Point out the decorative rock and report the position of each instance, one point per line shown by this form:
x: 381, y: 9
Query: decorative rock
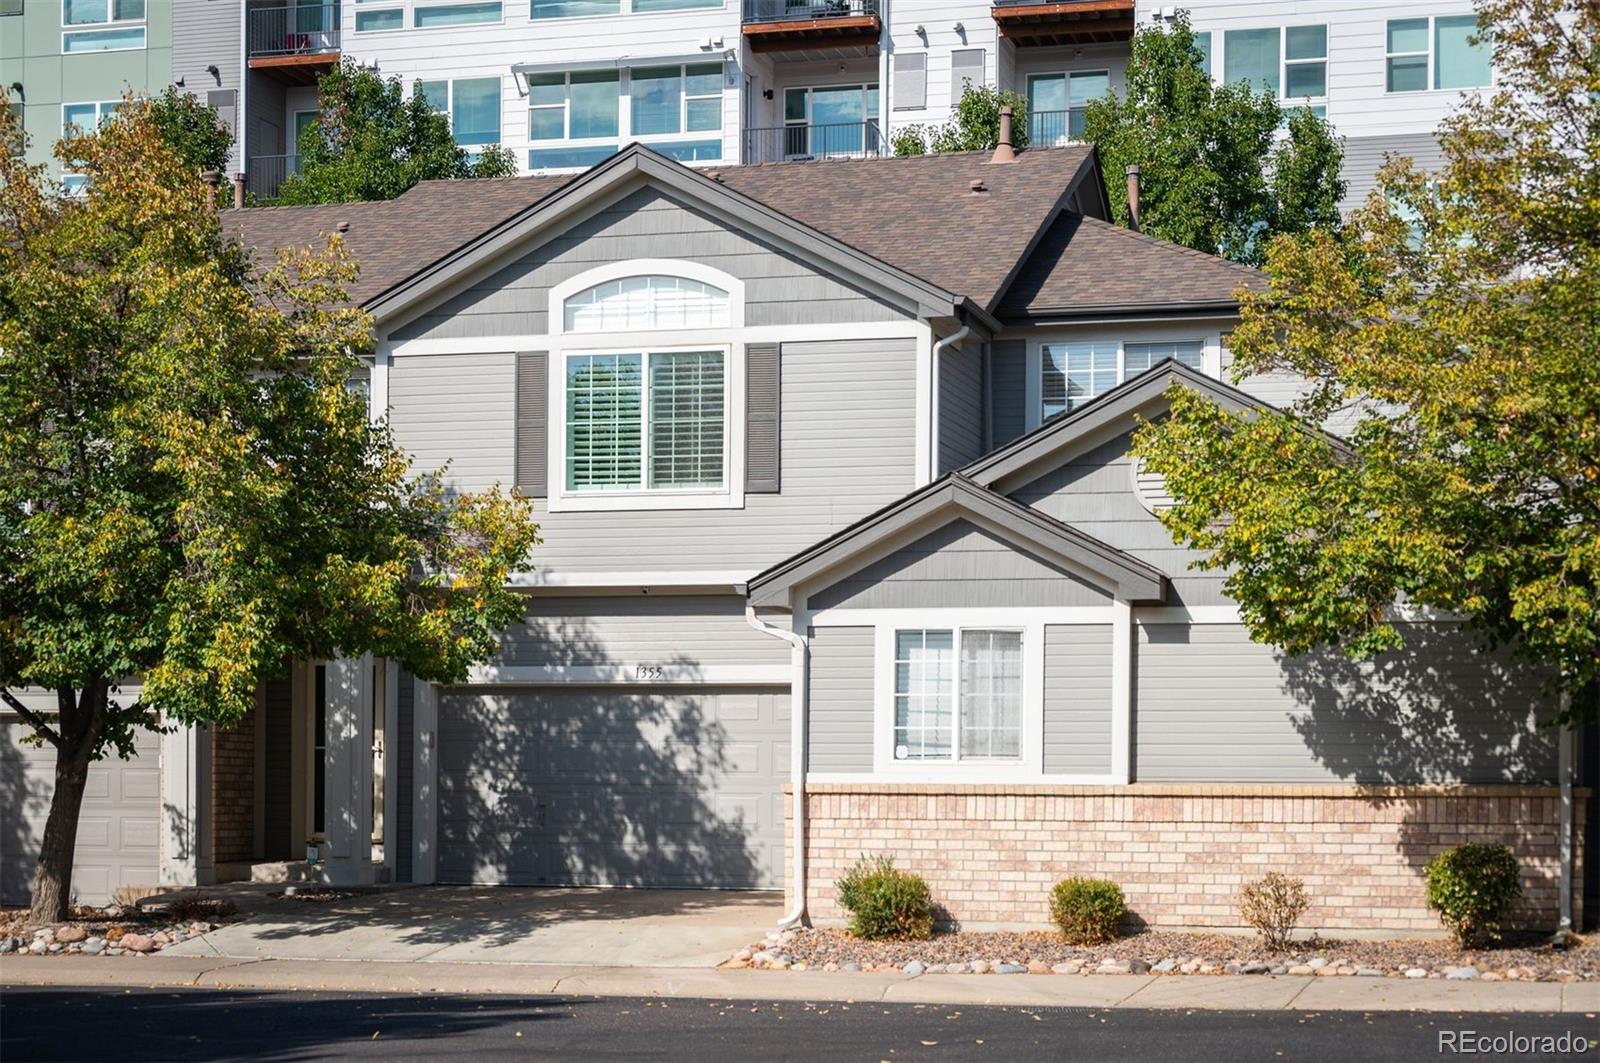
x: 56, y: 947
x: 1114, y: 966
x: 38, y: 946
x: 743, y: 954
x: 1038, y: 967
x: 1138, y: 967
x: 1255, y: 967
x: 1189, y: 967
x: 978, y: 967
x: 1489, y: 976
x: 1302, y: 969
x: 161, y: 937
x: 1070, y: 967
x: 1279, y: 968
x: 1416, y: 972
x: 94, y: 946
x: 1317, y: 963
x: 1010, y: 968
x: 762, y: 958
x: 1165, y: 965
x: 830, y: 966
x: 137, y: 943
x: 1460, y: 974
x: 915, y: 967
x: 114, y: 952
x: 8, y: 945
x: 1325, y: 972
x: 68, y: 934
x: 1232, y: 967
x: 849, y: 965
x: 1368, y: 972
x: 1207, y: 967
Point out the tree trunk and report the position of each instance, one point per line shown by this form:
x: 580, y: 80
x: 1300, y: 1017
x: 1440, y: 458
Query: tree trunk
x: 52, y: 877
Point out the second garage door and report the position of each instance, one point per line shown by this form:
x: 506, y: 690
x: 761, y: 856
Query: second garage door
x: 608, y: 786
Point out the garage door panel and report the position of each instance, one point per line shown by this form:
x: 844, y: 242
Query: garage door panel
x: 611, y: 786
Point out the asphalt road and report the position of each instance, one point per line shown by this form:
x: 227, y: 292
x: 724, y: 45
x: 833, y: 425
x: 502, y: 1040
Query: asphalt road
x: 131, y: 1025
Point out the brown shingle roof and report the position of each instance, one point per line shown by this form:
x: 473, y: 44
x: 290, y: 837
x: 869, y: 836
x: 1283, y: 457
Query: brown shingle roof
x: 1084, y: 264
x: 919, y: 214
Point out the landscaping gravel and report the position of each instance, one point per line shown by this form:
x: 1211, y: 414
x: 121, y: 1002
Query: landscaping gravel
x: 1526, y: 958
x: 115, y: 930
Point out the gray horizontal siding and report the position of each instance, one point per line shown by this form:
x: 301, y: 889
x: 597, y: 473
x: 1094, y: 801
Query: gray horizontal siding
x: 840, y: 719
x: 1365, y: 156
x: 958, y: 565
x: 1094, y: 493
x: 1077, y: 699
x: 686, y: 630
x: 779, y: 288
x: 1212, y: 706
x: 460, y: 409
x: 1008, y: 390
x: 960, y: 407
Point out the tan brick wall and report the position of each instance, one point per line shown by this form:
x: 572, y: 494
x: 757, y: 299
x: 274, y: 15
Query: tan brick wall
x: 1181, y: 853
x: 233, y: 792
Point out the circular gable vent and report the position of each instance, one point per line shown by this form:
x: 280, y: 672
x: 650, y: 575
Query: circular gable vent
x: 1151, y: 487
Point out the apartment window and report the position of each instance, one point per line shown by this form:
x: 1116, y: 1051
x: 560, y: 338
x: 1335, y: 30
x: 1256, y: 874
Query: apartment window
x: 1058, y: 104
x: 574, y: 8
x: 836, y: 120
x: 1453, y: 61
x: 668, y: 100
x: 1253, y: 56
x: 1073, y: 373
x: 438, y: 13
x: 957, y: 695
x: 390, y: 17
x: 1202, y: 44
x: 1305, y: 61
x: 577, y: 109
x: 652, y: 420
x: 102, y: 25
x: 473, y: 105
x: 78, y: 119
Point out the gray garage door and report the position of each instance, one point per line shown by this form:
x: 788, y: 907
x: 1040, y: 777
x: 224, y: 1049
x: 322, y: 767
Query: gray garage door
x: 601, y: 786
x: 118, y: 832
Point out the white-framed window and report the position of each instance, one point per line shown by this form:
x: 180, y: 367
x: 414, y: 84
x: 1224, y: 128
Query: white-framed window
x: 958, y: 694
x: 1059, y: 101
x: 644, y: 303
x: 541, y: 9
x: 1291, y: 62
x: 1072, y: 372
x: 1437, y: 52
x: 646, y: 420
x: 102, y: 25
x: 577, y: 118
x: 830, y: 121
x: 378, y: 16
x: 473, y: 106
x: 78, y: 119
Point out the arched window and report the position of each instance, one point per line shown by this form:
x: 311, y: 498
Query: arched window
x: 637, y: 304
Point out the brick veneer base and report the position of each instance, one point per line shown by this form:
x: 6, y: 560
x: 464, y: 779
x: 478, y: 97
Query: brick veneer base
x: 1181, y: 853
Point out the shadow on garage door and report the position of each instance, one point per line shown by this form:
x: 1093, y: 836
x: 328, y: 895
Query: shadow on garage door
x: 613, y: 786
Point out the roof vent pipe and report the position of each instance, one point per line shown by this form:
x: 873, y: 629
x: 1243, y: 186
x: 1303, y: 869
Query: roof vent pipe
x: 1003, y: 151
x: 212, y: 180
x: 1133, y: 198
x: 238, y: 191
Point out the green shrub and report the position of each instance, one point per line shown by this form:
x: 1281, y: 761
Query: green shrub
x: 1273, y: 904
x: 1471, y: 886
x: 1088, y: 910
x: 885, y: 902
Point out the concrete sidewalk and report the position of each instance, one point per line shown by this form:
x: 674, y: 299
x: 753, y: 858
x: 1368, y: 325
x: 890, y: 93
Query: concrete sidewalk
x: 1223, y: 993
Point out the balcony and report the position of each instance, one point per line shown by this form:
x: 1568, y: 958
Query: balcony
x: 1051, y: 129
x: 804, y: 142
x: 293, y: 44
x: 265, y: 174
x: 1034, y: 23
x: 823, y: 29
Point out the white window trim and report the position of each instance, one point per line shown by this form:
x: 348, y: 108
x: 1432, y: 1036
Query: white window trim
x: 869, y: 117
x: 103, y: 109
x: 449, y: 109
x: 567, y: 140
x: 1433, y: 59
x: 111, y: 22
x: 408, y: 17
x: 625, y: 133
x: 730, y: 340
x: 1209, y: 336
x: 1219, y: 57
x: 1032, y: 622
x: 1065, y: 74
x: 625, y: 8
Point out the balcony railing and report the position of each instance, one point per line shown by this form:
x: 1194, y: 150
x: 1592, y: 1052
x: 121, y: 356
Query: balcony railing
x: 807, y: 10
x: 1048, y: 129
x: 797, y: 143
x: 265, y: 174
x: 302, y: 29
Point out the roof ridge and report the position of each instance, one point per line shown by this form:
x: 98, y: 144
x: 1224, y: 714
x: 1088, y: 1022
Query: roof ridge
x: 1158, y: 242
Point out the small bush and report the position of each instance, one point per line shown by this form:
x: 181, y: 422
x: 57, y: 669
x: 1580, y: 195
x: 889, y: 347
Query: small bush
x: 1471, y: 886
x: 201, y: 910
x: 1088, y: 910
x: 1273, y: 905
x: 885, y: 902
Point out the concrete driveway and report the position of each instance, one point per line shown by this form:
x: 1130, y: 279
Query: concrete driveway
x: 487, y: 924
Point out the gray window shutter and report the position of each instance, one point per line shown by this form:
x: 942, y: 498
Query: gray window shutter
x: 763, y: 405
x: 966, y: 64
x: 910, y: 81
x: 533, y: 422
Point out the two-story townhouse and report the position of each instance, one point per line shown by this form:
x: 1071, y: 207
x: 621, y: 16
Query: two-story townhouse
x: 843, y: 551
x: 564, y: 82
x: 67, y: 63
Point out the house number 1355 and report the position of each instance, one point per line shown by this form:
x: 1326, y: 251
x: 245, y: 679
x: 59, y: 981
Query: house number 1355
x: 649, y: 671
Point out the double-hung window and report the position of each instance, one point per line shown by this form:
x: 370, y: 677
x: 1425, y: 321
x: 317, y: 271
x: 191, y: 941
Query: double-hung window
x: 78, y: 119
x: 1291, y: 62
x: 957, y: 694
x: 1059, y: 103
x: 654, y: 419
x: 1443, y: 52
x: 1072, y: 373
x: 378, y: 15
x: 832, y: 121
x: 102, y: 25
x: 572, y: 118
x: 670, y: 103
x: 473, y: 105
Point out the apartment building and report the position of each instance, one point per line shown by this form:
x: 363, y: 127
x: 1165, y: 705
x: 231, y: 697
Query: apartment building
x: 66, y: 63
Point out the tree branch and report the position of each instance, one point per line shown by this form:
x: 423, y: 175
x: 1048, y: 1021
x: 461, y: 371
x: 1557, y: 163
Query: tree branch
x: 31, y: 718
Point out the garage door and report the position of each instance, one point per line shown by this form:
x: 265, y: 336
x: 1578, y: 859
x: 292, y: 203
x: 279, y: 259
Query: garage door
x: 600, y: 786
x: 118, y: 831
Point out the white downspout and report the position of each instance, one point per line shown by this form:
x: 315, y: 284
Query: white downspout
x: 800, y: 651
x: 933, y: 387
